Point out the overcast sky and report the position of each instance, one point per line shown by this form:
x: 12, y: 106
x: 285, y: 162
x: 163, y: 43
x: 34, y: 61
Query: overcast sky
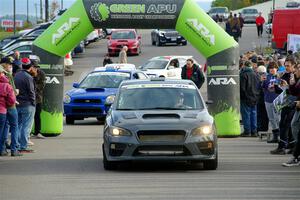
x: 7, y: 6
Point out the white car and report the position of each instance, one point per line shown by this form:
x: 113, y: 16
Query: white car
x: 166, y: 66
x: 92, y: 37
x: 124, y: 66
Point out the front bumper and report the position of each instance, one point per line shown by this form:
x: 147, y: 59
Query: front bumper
x: 129, y: 148
x: 84, y: 111
x: 166, y: 40
x: 116, y: 50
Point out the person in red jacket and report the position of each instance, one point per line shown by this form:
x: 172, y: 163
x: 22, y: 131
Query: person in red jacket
x: 259, y: 24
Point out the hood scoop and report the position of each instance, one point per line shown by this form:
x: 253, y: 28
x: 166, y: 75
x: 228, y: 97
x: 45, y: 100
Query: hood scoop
x: 161, y: 116
x: 190, y: 115
x: 95, y: 89
x: 129, y: 116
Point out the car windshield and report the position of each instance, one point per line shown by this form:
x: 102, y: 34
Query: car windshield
x: 250, y: 11
x: 159, y: 97
x: 104, y: 79
x: 218, y: 10
x: 123, y: 35
x: 155, y: 64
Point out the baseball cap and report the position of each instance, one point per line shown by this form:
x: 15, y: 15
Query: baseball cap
x: 6, y: 60
x: 26, y: 63
x: 35, y: 60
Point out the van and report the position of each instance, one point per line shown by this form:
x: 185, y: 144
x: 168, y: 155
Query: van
x: 285, y: 21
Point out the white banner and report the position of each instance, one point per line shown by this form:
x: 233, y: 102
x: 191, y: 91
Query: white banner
x: 293, y: 43
x: 8, y: 23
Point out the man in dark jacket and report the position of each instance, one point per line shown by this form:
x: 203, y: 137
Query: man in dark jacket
x: 249, y: 98
x: 40, y: 82
x: 193, y: 72
x: 26, y: 99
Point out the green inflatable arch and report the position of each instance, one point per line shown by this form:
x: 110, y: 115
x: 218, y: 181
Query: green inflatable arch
x: 220, y: 50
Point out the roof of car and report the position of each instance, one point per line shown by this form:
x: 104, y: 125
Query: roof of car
x: 170, y: 57
x: 117, y: 66
x: 157, y: 81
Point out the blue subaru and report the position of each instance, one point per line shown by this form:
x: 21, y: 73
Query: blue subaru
x: 90, y: 97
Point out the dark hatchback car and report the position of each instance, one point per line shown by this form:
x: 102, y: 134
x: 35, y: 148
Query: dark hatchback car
x: 160, y: 37
x: 159, y: 120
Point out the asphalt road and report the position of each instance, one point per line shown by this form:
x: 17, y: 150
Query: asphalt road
x: 70, y: 166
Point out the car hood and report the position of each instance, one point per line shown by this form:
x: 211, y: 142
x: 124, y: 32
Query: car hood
x: 155, y: 71
x: 160, y: 119
x: 91, y: 93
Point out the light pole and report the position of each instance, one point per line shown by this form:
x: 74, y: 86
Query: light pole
x: 46, y: 10
x: 62, y: 4
x: 41, y: 10
x: 273, y: 4
x: 14, y: 16
x: 27, y: 12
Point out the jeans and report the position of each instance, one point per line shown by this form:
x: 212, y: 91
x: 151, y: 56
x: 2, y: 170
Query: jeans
x: 274, y: 118
x: 295, y: 125
x: 2, y: 136
x: 287, y: 114
x: 25, y: 118
x: 259, y: 30
x: 12, y: 126
x: 249, y: 117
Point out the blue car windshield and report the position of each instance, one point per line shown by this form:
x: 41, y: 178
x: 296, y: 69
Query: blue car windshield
x: 165, y: 97
x: 104, y: 79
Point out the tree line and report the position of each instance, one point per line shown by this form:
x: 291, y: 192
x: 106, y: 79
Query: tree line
x: 235, y: 4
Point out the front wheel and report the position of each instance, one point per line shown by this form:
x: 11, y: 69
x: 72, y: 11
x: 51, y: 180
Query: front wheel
x: 211, y: 164
x: 184, y: 43
x: 108, y: 165
x: 69, y: 120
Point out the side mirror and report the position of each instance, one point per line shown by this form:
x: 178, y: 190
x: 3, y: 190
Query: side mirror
x: 75, y: 85
x: 209, y: 102
x: 171, y: 67
x: 139, y: 37
x: 109, y: 100
x: 108, y: 37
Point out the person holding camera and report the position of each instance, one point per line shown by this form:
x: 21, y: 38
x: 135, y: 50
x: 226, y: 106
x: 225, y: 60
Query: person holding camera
x: 287, y: 112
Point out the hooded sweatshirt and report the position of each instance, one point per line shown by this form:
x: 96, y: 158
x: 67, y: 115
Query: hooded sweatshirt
x: 7, y: 95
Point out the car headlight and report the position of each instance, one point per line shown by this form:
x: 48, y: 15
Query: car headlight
x: 202, y: 130
x: 67, y: 99
x: 110, y: 99
x: 116, y: 131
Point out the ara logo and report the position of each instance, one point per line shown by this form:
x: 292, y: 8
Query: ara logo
x: 222, y: 81
x: 203, y: 30
x: 52, y: 80
x: 64, y: 30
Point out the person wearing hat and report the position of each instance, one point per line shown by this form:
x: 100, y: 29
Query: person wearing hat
x: 40, y: 82
x: 12, y: 114
x: 249, y: 98
x: 27, y: 100
x: 7, y: 99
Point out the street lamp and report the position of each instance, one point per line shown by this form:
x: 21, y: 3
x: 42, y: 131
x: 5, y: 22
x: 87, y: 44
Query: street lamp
x: 273, y: 4
x: 14, y: 16
x: 62, y: 4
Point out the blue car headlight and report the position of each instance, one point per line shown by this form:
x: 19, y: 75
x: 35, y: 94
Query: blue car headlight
x: 117, y: 131
x: 67, y: 99
x: 204, y: 130
x: 110, y: 100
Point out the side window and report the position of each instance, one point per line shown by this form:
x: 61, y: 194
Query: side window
x: 182, y: 62
x: 142, y: 75
x: 174, y: 63
x: 135, y: 76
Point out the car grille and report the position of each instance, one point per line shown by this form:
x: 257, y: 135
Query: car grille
x: 161, y: 136
x: 87, y: 110
x: 162, y: 150
x: 171, y: 34
x: 121, y: 46
x: 87, y: 101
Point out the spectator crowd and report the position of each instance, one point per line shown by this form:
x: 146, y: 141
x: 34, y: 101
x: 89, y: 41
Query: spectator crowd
x: 21, y: 93
x: 270, y: 95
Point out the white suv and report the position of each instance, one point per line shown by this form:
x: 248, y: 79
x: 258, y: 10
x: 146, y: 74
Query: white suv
x: 165, y: 66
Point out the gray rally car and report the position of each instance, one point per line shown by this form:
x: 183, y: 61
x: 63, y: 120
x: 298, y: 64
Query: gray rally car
x: 159, y: 120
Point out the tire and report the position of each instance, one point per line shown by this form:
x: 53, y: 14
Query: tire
x: 211, y: 164
x: 157, y: 42
x: 108, y: 165
x: 184, y: 43
x: 69, y: 120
